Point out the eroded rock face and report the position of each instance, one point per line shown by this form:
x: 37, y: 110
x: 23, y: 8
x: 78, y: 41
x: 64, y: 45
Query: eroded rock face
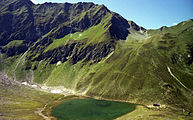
x: 11, y: 51
x: 119, y: 27
x: 23, y: 20
x: 74, y: 52
x: 16, y: 21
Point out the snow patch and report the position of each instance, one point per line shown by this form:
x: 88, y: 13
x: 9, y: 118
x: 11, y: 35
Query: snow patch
x: 34, y: 86
x: 80, y: 35
x: 58, y: 63
x: 68, y: 90
x: 44, y: 88
x: 56, y: 91
x: 24, y: 83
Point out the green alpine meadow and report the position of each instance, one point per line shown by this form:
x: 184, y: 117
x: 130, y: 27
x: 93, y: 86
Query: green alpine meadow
x: 82, y: 61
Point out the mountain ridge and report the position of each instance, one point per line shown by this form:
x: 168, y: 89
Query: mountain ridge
x: 35, y: 25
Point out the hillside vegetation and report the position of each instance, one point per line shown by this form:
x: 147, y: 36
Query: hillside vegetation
x: 96, y: 52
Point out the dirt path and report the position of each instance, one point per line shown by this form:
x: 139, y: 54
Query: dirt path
x: 169, y: 70
x: 40, y: 110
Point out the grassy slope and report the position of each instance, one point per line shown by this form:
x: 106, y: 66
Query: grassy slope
x: 18, y: 102
x: 143, y: 113
x: 176, y: 42
x: 95, y: 34
x: 136, y: 71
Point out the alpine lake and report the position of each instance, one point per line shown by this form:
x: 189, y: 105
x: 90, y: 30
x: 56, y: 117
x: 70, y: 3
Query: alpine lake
x: 90, y: 109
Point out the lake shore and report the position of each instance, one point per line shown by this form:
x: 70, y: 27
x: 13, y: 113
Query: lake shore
x: 140, y: 111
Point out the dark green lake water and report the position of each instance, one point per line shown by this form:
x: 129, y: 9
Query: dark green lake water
x: 91, y: 109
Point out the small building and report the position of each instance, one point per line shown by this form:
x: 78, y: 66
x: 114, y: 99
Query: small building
x: 156, y: 105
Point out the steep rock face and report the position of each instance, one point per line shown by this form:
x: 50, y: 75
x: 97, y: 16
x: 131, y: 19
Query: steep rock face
x: 119, y: 27
x: 60, y: 18
x: 22, y: 20
x: 14, y: 50
x: 74, y: 53
x: 16, y: 19
x: 74, y: 18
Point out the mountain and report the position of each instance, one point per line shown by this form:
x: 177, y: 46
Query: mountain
x: 93, y: 51
x: 26, y: 22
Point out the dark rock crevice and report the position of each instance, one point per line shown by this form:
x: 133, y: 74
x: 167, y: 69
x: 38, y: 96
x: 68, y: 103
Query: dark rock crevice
x: 75, y: 52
